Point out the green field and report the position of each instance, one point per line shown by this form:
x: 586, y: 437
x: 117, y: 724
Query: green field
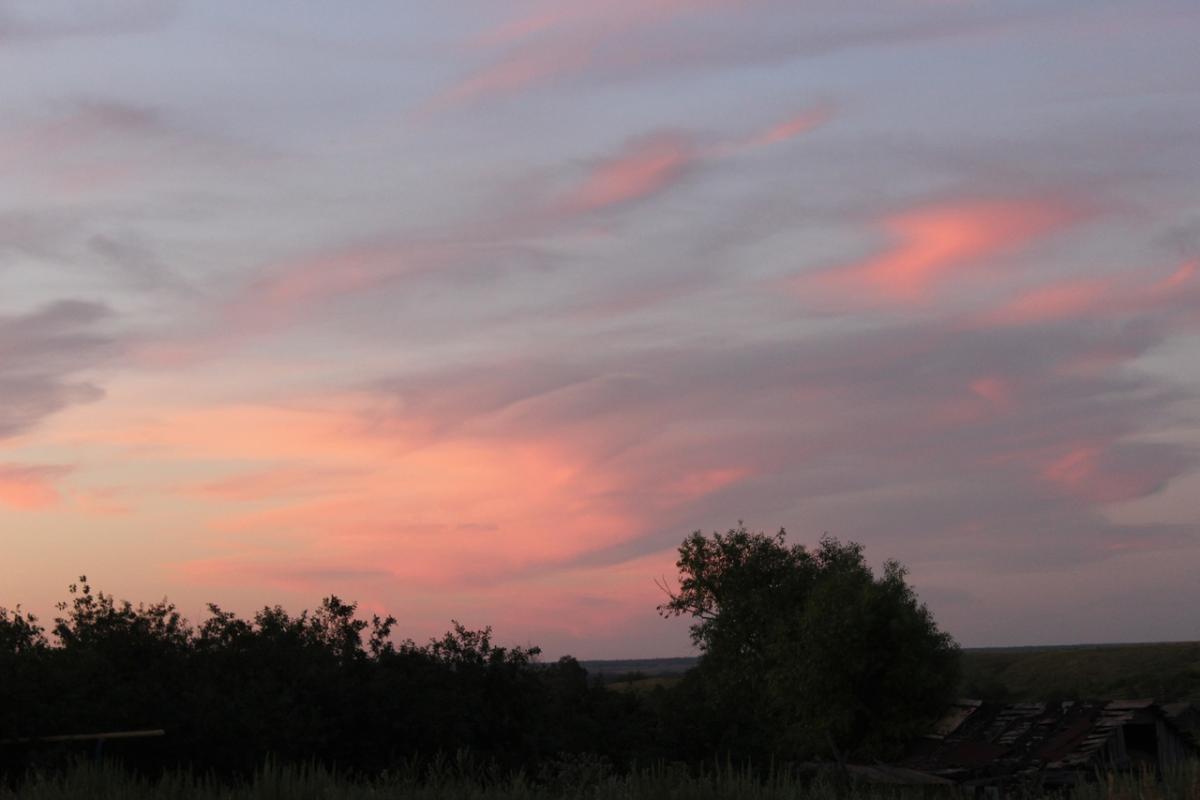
x: 1167, y: 672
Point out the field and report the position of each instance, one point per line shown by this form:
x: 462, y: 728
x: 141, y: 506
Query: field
x: 615, y: 670
x: 1165, y: 671
x: 106, y: 783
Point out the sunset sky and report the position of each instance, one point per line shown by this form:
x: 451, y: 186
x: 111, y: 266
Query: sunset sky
x: 474, y: 309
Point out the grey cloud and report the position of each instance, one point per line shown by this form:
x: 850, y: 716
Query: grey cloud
x: 861, y: 433
x: 136, y: 264
x: 714, y: 40
x: 43, y: 355
x: 37, y: 22
x: 27, y: 233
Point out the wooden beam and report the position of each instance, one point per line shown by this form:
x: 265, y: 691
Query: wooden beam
x: 87, y: 737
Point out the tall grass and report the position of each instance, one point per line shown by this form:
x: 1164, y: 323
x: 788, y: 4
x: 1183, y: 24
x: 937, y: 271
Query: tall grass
x: 456, y: 780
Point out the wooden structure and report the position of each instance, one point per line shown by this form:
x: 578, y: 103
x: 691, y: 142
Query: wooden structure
x: 1023, y: 746
x: 98, y: 738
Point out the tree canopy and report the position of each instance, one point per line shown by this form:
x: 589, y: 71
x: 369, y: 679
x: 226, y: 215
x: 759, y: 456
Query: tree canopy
x: 808, y: 653
x: 320, y: 684
x: 805, y: 654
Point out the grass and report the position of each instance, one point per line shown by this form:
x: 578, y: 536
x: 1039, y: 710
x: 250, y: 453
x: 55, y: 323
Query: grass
x: 1167, y: 672
x: 453, y: 781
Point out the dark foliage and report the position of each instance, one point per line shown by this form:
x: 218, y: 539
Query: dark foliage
x: 322, y: 685
x: 806, y: 654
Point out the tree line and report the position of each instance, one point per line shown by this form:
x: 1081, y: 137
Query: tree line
x: 806, y: 654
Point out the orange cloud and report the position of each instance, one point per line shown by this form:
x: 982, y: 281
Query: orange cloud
x: 29, y: 488
x: 931, y: 246
x: 271, y: 484
x: 338, y: 486
x: 102, y: 503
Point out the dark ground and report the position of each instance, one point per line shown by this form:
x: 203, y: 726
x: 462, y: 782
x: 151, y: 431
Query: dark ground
x: 1166, y: 671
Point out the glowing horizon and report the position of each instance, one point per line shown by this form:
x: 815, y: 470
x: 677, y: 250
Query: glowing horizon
x: 476, y: 311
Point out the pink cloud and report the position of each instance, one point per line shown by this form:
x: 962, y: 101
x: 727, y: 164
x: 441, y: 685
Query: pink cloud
x: 1090, y: 471
x: 789, y: 128
x: 996, y: 390
x: 1117, y: 295
x: 612, y: 15
x: 985, y: 396
x: 558, y: 40
x: 1178, y: 280
x: 649, y: 165
x: 514, y: 30
x: 102, y: 503
x: 934, y: 245
x: 431, y: 509
x: 96, y: 147
x: 694, y: 485
x: 1055, y: 302
x: 266, y: 569
x: 519, y: 70
x: 644, y: 167
x: 273, y: 484
x: 287, y: 290
x: 29, y: 488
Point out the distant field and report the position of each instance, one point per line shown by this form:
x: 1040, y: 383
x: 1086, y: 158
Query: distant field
x: 610, y: 671
x: 1168, y: 672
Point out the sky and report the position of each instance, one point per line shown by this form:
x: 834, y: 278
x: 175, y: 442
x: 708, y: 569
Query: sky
x: 473, y: 310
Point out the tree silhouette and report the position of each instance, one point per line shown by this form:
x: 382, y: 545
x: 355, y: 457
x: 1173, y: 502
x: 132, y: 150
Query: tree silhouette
x: 808, y: 653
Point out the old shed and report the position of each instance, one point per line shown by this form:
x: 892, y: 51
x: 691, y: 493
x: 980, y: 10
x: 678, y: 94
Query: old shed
x: 1050, y: 744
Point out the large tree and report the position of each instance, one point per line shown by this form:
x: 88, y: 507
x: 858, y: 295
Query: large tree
x: 808, y: 653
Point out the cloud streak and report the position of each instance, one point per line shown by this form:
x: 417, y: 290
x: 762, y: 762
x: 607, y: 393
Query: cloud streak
x: 29, y: 488
x: 42, y: 357
x: 939, y: 245
x: 573, y: 42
